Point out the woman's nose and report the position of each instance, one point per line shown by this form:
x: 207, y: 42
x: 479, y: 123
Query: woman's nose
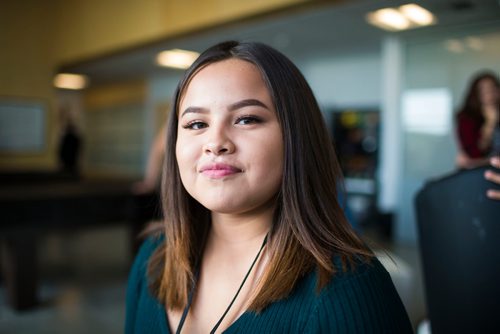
x: 218, y: 142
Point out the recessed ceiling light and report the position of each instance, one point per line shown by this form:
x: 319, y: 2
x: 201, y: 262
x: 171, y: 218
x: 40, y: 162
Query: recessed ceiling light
x: 176, y: 58
x: 71, y: 81
x: 417, y: 14
x: 389, y: 19
x: 405, y: 17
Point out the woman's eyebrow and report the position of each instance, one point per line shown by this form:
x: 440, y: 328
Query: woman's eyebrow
x: 194, y: 110
x: 247, y: 103
x: 232, y: 107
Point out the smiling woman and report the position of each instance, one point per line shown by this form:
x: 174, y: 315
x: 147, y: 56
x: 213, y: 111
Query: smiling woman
x: 229, y: 145
x: 254, y: 239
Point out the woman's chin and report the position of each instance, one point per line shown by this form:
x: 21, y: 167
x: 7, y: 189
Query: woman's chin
x: 224, y: 208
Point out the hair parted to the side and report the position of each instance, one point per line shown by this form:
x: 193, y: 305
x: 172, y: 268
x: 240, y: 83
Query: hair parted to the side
x: 309, y: 226
x: 472, y: 103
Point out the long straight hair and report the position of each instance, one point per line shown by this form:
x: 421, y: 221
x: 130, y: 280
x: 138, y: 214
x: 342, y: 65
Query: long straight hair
x: 472, y: 103
x: 309, y: 226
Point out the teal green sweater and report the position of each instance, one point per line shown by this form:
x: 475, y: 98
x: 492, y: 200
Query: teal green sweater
x: 359, y: 301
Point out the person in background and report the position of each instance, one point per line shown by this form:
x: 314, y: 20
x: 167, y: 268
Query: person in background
x: 147, y: 190
x: 254, y: 239
x: 151, y: 181
x: 70, y: 144
x: 478, y: 122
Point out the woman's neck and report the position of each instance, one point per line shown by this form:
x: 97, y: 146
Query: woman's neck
x: 239, y: 233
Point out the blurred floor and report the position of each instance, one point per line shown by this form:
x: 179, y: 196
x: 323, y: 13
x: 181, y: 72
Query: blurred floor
x: 71, y: 307
x: 82, y: 285
x: 83, y: 281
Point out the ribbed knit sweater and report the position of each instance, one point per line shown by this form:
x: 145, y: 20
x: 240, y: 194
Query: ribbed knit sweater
x: 362, y: 300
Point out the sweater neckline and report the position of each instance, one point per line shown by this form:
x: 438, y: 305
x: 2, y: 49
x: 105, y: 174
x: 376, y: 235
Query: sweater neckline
x: 165, y: 327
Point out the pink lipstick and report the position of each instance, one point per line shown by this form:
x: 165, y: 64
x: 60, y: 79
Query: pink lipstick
x: 219, y: 170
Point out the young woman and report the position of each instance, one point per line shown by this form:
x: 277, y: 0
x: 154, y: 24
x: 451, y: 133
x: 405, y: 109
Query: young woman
x: 254, y: 239
x: 478, y: 121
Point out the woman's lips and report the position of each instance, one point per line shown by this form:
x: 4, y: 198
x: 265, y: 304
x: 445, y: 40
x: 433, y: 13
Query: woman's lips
x: 218, y: 170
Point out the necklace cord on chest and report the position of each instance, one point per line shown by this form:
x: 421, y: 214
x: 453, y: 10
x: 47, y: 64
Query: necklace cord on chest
x: 191, y: 294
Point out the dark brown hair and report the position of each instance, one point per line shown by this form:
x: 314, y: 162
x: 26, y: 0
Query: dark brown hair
x: 309, y: 226
x: 472, y: 103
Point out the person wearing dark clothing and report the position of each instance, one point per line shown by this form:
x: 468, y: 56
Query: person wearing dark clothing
x: 69, y: 150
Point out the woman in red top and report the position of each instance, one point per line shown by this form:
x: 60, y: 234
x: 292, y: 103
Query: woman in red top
x: 478, y: 121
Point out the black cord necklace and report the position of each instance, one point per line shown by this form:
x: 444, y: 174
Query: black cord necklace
x: 191, y: 293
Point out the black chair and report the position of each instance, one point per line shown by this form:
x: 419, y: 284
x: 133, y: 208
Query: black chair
x: 459, y: 236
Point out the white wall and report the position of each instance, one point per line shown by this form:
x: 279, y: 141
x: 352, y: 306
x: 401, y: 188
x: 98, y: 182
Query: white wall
x: 346, y: 81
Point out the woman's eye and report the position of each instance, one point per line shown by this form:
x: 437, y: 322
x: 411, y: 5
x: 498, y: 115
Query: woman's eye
x: 245, y: 120
x: 195, y: 125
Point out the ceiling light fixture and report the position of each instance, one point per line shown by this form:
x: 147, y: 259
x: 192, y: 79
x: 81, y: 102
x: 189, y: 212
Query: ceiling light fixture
x: 417, y: 14
x: 71, y: 81
x: 176, y: 58
x: 405, y: 17
x: 388, y: 19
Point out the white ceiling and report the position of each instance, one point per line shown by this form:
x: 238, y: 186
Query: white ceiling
x: 327, y: 29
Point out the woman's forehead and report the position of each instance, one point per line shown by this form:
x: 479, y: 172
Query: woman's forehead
x: 230, y: 78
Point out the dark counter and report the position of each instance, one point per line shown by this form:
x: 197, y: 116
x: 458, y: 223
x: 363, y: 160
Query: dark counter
x: 30, y: 209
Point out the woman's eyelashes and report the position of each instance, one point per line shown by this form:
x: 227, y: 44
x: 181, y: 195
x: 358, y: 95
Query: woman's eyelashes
x: 248, y: 119
x: 195, y: 125
x: 242, y: 120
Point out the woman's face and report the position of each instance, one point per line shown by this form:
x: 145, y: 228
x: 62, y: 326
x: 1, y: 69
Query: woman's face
x: 489, y: 93
x: 229, y: 145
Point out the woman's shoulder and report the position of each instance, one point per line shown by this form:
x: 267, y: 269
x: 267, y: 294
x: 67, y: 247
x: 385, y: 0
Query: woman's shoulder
x: 360, y: 298
x: 358, y: 268
x: 142, y: 308
x: 146, y: 250
x: 359, y: 273
x: 349, y: 278
x: 150, y: 244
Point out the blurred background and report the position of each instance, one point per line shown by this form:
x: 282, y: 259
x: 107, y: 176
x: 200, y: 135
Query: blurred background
x: 85, y: 89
